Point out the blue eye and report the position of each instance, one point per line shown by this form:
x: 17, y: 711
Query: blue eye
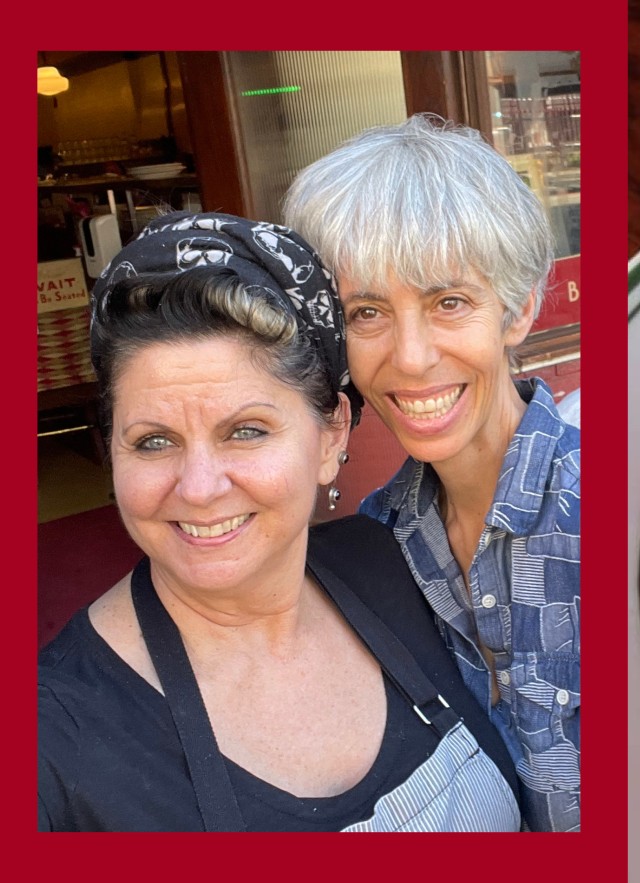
x: 154, y: 443
x: 247, y: 433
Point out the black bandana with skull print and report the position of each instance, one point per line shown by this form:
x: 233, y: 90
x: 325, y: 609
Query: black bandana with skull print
x: 268, y: 256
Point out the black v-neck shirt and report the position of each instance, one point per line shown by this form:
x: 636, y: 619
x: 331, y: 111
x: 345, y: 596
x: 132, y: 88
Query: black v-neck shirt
x: 110, y: 757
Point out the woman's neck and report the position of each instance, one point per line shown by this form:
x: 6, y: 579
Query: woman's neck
x: 269, y: 611
x: 469, y: 480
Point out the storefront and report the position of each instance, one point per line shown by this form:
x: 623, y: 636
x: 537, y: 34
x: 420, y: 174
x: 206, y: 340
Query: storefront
x: 228, y: 131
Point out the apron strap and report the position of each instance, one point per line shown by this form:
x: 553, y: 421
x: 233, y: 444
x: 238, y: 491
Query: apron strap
x: 395, y: 659
x: 214, y: 792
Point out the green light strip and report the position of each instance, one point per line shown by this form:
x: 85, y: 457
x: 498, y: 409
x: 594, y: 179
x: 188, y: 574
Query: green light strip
x: 273, y: 91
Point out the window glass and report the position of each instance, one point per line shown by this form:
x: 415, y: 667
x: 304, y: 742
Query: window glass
x: 293, y: 107
x: 535, y: 111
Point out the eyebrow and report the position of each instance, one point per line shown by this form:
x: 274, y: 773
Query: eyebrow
x: 161, y: 427
x: 427, y: 292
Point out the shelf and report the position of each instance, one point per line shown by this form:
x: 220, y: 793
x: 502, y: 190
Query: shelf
x: 130, y: 187
x: 102, y: 184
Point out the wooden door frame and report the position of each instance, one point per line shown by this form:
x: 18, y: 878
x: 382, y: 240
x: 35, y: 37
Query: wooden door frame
x: 450, y: 84
x: 216, y: 149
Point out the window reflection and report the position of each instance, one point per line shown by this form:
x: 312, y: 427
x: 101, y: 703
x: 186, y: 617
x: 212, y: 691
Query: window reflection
x: 535, y: 112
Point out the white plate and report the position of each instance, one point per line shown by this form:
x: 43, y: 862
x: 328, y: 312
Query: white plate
x: 158, y: 167
x: 156, y: 175
x: 163, y: 176
x: 141, y: 170
x: 163, y: 171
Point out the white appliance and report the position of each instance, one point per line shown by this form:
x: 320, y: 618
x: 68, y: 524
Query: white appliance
x: 100, y: 240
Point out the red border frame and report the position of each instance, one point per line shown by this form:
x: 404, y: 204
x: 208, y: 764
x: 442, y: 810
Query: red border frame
x: 604, y: 836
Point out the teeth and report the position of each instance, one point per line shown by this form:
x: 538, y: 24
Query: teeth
x: 430, y: 408
x: 214, y: 530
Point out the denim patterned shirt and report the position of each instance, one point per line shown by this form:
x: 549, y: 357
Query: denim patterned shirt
x: 524, y: 602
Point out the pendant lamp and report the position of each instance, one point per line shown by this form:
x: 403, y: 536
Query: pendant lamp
x: 51, y: 82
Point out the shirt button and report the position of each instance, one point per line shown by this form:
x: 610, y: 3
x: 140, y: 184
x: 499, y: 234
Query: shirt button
x: 562, y: 697
x: 488, y: 601
x: 504, y: 678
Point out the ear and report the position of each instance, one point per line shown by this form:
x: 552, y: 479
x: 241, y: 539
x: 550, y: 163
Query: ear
x: 520, y: 327
x: 335, y: 437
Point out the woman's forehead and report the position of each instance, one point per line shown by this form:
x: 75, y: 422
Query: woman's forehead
x: 429, y: 281
x: 209, y: 357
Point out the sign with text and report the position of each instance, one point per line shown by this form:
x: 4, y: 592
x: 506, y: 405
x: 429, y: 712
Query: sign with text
x: 561, y: 305
x: 61, y: 285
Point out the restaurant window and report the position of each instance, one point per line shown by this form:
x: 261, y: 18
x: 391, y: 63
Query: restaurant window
x: 534, y: 100
x: 291, y: 108
x: 534, y: 105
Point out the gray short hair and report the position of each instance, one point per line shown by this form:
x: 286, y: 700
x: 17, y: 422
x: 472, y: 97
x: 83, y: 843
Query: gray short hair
x: 424, y: 199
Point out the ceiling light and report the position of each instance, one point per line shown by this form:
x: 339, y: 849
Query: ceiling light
x: 51, y: 82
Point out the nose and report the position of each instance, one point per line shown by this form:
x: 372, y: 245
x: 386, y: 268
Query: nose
x: 415, y: 348
x: 203, y: 477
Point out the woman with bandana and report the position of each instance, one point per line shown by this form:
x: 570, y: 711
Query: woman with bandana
x: 251, y: 673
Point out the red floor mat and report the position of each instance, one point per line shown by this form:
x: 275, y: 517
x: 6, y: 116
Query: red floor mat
x: 79, y: 558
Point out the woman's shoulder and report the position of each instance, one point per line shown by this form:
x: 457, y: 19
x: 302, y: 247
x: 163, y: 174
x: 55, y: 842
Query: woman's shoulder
x: 113, y: 617
x: 78, y: 635
x: 99, y: 644
x: 64, y: 647
x: 366, y: 556
x: 103, y: 636
x: 366, y: 540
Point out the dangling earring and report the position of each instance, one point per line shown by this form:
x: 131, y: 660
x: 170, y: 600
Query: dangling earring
x: 334, y: 493
x: 334, y: 496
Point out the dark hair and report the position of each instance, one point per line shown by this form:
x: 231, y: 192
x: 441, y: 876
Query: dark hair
x: 203, y: 303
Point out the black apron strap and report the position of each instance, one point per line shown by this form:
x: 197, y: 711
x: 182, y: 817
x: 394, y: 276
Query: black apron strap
x: 396, y: 660
x: 214, y: 792
x: 216, y: 799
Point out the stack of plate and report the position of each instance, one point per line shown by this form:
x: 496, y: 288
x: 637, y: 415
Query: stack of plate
x: 159, y: 170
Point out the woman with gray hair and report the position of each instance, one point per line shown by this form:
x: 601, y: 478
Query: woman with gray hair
x: 250, y: 674
x: 442, y: 256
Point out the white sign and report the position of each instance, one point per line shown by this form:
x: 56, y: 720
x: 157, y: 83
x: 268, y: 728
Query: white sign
x: 61, y: 285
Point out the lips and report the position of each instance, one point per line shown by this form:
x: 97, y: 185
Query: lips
x: 429, y: 408
x: 213, y: 530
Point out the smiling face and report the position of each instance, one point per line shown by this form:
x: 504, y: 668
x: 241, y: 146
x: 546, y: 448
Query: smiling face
x: 434, y: 365
x: 216, y: 466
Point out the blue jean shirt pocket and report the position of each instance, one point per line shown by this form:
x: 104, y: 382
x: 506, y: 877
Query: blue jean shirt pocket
x: 545, y: 699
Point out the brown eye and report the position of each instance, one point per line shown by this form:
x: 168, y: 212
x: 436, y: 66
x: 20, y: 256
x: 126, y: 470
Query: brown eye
x: 449, y: 304
x: 365, y: 313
